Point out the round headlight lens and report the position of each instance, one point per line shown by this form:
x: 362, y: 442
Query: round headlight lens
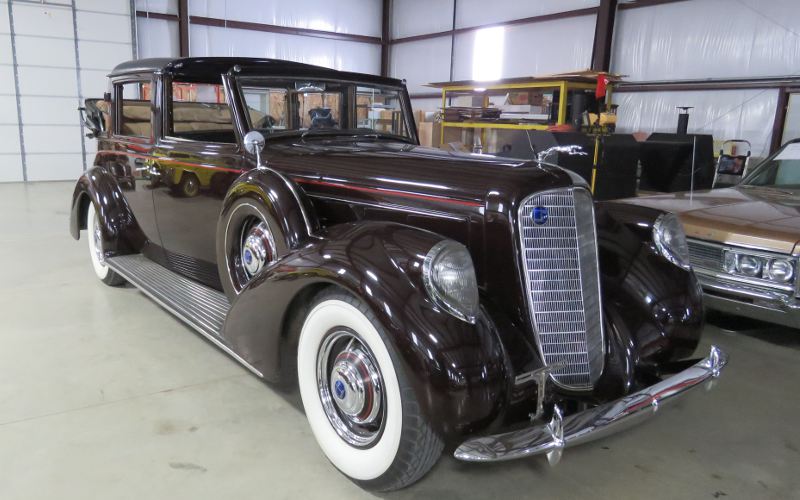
x: 449, y: 278
x: 670, y: 240
x: 749, y: 265
x: 780, y: 270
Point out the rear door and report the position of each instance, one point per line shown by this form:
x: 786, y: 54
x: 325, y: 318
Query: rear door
x: 129, y: 156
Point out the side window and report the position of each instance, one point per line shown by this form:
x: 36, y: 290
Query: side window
x: 380, y: 110
x: 200, y: 112
x: 133, y: 110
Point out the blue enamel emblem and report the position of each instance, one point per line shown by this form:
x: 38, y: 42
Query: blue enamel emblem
x: 539, y: 215
x: 338, y: 387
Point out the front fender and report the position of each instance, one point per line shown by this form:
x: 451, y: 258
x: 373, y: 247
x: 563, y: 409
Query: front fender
x: 458, y: 369
x: 656, y: 307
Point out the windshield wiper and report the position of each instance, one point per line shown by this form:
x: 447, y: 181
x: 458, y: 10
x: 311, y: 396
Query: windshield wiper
x: 319, y: 131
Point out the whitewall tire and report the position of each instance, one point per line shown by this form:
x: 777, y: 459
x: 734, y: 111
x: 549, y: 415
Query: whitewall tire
x: 358, y: 402
x: 94, y: 235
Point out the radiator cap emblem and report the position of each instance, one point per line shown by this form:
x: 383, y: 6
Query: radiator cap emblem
x: 539, y: 215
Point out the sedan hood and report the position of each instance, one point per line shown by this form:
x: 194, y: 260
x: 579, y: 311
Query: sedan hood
x: 414, y: 170
x: 764, y: 218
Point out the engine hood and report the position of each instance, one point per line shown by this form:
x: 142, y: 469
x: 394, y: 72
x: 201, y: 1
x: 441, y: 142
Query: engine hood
x: 764, y: 218
x: 419, y: 175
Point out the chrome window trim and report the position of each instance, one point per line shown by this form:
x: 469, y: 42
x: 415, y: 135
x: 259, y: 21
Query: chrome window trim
x: 529, y: 301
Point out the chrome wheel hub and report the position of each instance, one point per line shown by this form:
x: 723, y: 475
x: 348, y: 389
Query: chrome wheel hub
x: 258, y: 248
x: 350, y: 388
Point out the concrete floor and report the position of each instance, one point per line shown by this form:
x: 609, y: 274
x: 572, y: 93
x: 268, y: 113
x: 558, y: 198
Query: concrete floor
x: 105, y: 395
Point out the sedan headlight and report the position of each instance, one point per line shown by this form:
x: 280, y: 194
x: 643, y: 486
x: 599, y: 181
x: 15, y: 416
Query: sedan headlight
x: 780, y: 270
x: 774, y: 269
x: 449, y: 278
x: 670, y: 240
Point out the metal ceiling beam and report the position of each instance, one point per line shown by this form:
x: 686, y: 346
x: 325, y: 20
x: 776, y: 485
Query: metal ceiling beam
x: 526, y: 20
x: 269, y: 28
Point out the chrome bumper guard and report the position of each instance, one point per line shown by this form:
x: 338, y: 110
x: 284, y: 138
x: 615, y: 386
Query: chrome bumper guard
x: 595, y: 423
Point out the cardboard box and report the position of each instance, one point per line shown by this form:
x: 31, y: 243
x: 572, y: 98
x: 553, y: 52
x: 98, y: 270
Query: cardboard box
x: 430, y: 134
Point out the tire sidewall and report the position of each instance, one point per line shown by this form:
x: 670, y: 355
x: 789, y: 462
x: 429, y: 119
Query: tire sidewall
x: 92, y: 221
x: 360, y: 464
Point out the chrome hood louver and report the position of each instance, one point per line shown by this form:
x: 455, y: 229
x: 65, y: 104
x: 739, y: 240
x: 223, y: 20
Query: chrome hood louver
x: 559, y: 258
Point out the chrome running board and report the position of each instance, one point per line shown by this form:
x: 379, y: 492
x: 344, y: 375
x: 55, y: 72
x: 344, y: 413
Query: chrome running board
x: 199, y: 306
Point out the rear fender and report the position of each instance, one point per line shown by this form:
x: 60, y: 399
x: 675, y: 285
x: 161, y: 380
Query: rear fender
x: 119, y: 227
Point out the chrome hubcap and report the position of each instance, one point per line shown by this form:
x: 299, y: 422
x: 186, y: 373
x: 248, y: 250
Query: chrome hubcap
x: 258, y: 248
x: 350, y: 388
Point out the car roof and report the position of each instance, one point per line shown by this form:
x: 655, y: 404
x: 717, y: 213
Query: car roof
x: 199, y: 69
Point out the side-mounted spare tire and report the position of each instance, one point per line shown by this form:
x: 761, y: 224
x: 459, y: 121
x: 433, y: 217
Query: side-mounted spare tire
x: 264, y: 217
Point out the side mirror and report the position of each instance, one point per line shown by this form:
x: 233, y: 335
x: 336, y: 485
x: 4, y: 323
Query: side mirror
x: 92, y: 122
x: 254, y: 143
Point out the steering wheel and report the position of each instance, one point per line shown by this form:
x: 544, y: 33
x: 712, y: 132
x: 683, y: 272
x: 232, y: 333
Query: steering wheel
x: 264, y: 123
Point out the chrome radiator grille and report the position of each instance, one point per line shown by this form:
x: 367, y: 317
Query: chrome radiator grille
x: 561, y: 275
x: 705, y: 256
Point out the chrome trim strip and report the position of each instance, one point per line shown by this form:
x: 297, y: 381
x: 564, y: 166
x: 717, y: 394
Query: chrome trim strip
x: 118, y: 264
x: 594, y: 423
x: 388, y: 206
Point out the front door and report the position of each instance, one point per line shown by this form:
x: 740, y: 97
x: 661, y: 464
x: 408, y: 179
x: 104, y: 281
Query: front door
x: 197, y: 160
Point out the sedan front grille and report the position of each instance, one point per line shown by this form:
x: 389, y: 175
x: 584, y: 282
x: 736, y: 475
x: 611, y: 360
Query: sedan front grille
x: 561, y: 276
x: 705, y: 256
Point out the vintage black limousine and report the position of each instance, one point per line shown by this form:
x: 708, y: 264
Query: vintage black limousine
x: 422, y: 300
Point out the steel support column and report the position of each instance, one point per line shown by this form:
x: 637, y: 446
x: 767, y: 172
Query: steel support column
x: 603, y: 34
x: 183, y: 27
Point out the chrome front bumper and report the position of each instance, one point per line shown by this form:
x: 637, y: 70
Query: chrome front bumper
x: 595, y: 423
x: 731, y: 297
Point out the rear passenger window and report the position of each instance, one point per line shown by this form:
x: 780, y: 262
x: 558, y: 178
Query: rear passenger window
x: 200, y: 112
x: 134, y: 113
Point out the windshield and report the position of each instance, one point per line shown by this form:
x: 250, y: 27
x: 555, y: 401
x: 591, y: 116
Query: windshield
x: 781, y: 171
x: 303, y: 107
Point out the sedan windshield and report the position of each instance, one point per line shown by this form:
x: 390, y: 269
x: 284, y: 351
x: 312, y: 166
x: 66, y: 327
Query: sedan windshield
x: 781, y: 171
x: 324, y: 108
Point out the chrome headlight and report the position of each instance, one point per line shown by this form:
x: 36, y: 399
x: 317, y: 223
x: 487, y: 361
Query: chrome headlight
x: 774, y: 269
x: 449, y: 278
x: 780, y: 270
x: 670, y: 240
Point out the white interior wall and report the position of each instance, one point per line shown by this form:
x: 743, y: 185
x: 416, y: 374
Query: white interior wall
x: 726, y: 114
x: 357, y: 17
x: 63, y: 49
x: 337, y: 54
x: 159, y: 38
x: 706, y: 39
x: 527, y: 49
